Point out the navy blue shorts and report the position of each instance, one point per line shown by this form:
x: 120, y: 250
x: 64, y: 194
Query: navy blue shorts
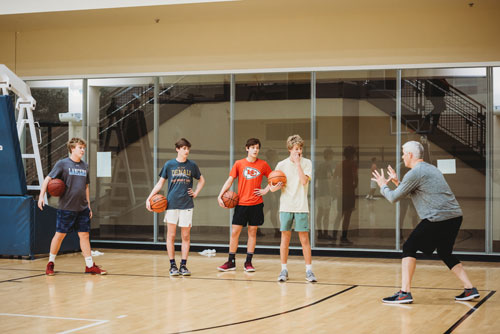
x: 68, y: 221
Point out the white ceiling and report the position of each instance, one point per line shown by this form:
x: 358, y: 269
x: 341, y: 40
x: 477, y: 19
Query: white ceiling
x: 37, y: 6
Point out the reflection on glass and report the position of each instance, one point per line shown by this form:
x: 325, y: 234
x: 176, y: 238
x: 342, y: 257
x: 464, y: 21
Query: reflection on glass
x: 444, y: 109
x: 346, y: 177
x: 355, y: 120
x: 272, y: 107
x: 197, y: 108
x: 121, y: 119
x: 325, y: 193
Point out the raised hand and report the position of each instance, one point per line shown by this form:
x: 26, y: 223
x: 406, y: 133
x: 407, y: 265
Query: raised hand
x: 295, y: 157
x: 380, y: 178
x: 392, y: 175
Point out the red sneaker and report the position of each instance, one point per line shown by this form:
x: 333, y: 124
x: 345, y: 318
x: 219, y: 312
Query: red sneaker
x: 95, y: 270
x: 50, y: 269
x: 227, y: 266
x: 248, y: 267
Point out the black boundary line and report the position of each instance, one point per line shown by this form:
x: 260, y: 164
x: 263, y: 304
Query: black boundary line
x: 16, y: 279
x: 466, y: 315
x: 268, y: 316
x: 246, y: 280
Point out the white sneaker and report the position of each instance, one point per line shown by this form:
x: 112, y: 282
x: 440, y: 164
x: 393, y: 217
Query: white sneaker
x: 207, y: 252
x: 310, y: 276
x: 283, y: 277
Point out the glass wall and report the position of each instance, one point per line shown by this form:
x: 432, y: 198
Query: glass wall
x: 54, y: 98
x: 445, y: 110
x: 496, y: 161
x: 350, y: 128
x: 356, y: 133
x: 272, y: 107
x: 121, y: 122
x: 197, y: 108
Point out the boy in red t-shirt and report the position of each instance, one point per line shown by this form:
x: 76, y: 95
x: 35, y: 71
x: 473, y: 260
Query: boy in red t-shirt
x: 250, y: 208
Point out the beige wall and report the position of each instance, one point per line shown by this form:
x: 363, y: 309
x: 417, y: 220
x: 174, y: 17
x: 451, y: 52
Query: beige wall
x: 7, y: 50
x: 251, y: 34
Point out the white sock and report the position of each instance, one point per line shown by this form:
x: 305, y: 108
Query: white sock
x: 52, y: 257
x: 89, y: 262
x: 283, y: 266
x: 309, y: 267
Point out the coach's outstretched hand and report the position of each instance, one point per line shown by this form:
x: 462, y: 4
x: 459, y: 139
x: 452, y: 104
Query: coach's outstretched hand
x: 392, y: 175
x: 380, y: 178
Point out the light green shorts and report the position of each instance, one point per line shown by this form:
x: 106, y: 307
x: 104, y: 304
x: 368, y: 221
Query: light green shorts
x: 301, y: 221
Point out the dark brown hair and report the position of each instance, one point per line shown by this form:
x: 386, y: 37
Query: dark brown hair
x: 252, y: 142
x: 182, y: 142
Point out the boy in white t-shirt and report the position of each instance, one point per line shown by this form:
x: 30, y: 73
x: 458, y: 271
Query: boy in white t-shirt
x: 294, y: 206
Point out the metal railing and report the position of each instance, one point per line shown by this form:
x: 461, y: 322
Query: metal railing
x: 463, y: 119
x: 54, y: 149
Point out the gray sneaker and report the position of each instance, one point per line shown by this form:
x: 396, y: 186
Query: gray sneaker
x: 174, y: 271
x: 310, y: 276
x: 283, y: 277
x: 184, y: 271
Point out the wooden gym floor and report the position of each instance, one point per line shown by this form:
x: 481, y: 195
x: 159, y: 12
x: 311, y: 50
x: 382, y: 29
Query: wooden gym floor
x: 138, y: 296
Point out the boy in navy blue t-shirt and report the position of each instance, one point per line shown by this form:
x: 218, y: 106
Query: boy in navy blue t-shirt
x: 180, y: 173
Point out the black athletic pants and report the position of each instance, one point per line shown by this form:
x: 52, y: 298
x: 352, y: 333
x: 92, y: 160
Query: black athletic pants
x: 429, y: 236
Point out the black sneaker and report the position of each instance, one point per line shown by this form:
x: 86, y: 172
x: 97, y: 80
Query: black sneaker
x: 174, y: 271
x: 468, y: 294
x: 184, y: 271
x: 399, y: 297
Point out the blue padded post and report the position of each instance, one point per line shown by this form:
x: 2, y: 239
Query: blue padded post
x: 12, y: 175
x: 16, y: 225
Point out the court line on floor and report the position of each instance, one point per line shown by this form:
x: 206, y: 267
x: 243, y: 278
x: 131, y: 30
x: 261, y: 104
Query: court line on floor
x: 16, y: 279
x: 268, y: 316
x: 96, y: 321
x: 247, y: 280
x: 472, y: 310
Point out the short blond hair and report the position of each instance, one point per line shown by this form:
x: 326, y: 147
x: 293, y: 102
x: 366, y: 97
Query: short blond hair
x: 294, y: 140
x: 75, y: 141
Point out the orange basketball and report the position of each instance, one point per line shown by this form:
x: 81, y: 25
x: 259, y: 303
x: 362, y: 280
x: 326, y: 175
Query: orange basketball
x: 230, y: 199
x: 275, y: 177
x: 158, y: 203
x: 56, y: 187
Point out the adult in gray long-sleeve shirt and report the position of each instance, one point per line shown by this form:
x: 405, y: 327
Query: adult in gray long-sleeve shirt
x: 441, y: 219
x: 427, y: 188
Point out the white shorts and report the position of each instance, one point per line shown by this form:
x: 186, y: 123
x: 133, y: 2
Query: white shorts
x: 184, y: 217
x: 373, y: 184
